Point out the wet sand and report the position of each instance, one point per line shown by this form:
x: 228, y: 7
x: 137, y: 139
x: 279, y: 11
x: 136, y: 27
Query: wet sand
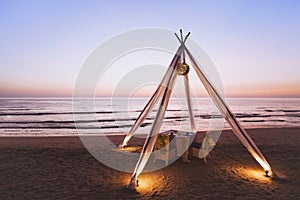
x: 61, y: 168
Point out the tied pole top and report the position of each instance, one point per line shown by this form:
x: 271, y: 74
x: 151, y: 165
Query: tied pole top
x: 182, y: 39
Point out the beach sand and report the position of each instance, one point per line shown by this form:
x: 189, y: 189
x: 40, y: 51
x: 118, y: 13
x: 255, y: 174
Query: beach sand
x: 61, y: 168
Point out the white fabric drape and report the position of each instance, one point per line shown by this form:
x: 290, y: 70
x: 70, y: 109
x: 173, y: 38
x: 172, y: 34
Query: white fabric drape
x: 229, y: 116
x: 189, y: 102
x: 152, y: 136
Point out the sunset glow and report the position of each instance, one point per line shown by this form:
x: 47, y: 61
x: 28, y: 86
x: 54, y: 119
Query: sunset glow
x: 254, y: 46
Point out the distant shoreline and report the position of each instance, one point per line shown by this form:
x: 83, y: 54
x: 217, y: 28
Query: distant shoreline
x: 10, y: 141
x: 138, y: 134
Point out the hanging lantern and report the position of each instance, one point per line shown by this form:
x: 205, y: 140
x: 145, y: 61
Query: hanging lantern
x: 183, y: 69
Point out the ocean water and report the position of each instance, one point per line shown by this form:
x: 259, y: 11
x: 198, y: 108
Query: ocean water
x: 45, y: 117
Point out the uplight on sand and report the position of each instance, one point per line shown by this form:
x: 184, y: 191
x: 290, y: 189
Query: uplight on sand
x: 149, y: 182
x: 145, y: 183
x: 251, y: 173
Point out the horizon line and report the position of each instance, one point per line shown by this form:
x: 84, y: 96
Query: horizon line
x: 145, y: 97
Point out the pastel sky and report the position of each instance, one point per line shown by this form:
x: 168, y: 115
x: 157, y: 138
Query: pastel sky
x: 255, y: 45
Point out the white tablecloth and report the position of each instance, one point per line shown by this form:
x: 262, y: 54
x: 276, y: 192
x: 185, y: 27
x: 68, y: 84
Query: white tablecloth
x: 183, y: 141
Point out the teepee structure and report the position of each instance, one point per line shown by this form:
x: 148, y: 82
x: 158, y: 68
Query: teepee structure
x: 179, y: 67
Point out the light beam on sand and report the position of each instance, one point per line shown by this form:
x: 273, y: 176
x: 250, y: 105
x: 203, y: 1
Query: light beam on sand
x: 251, y: 173
x: 131, y: 149
x: 149, y: 182
x: 145, y: 183
x: 256, y: 174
